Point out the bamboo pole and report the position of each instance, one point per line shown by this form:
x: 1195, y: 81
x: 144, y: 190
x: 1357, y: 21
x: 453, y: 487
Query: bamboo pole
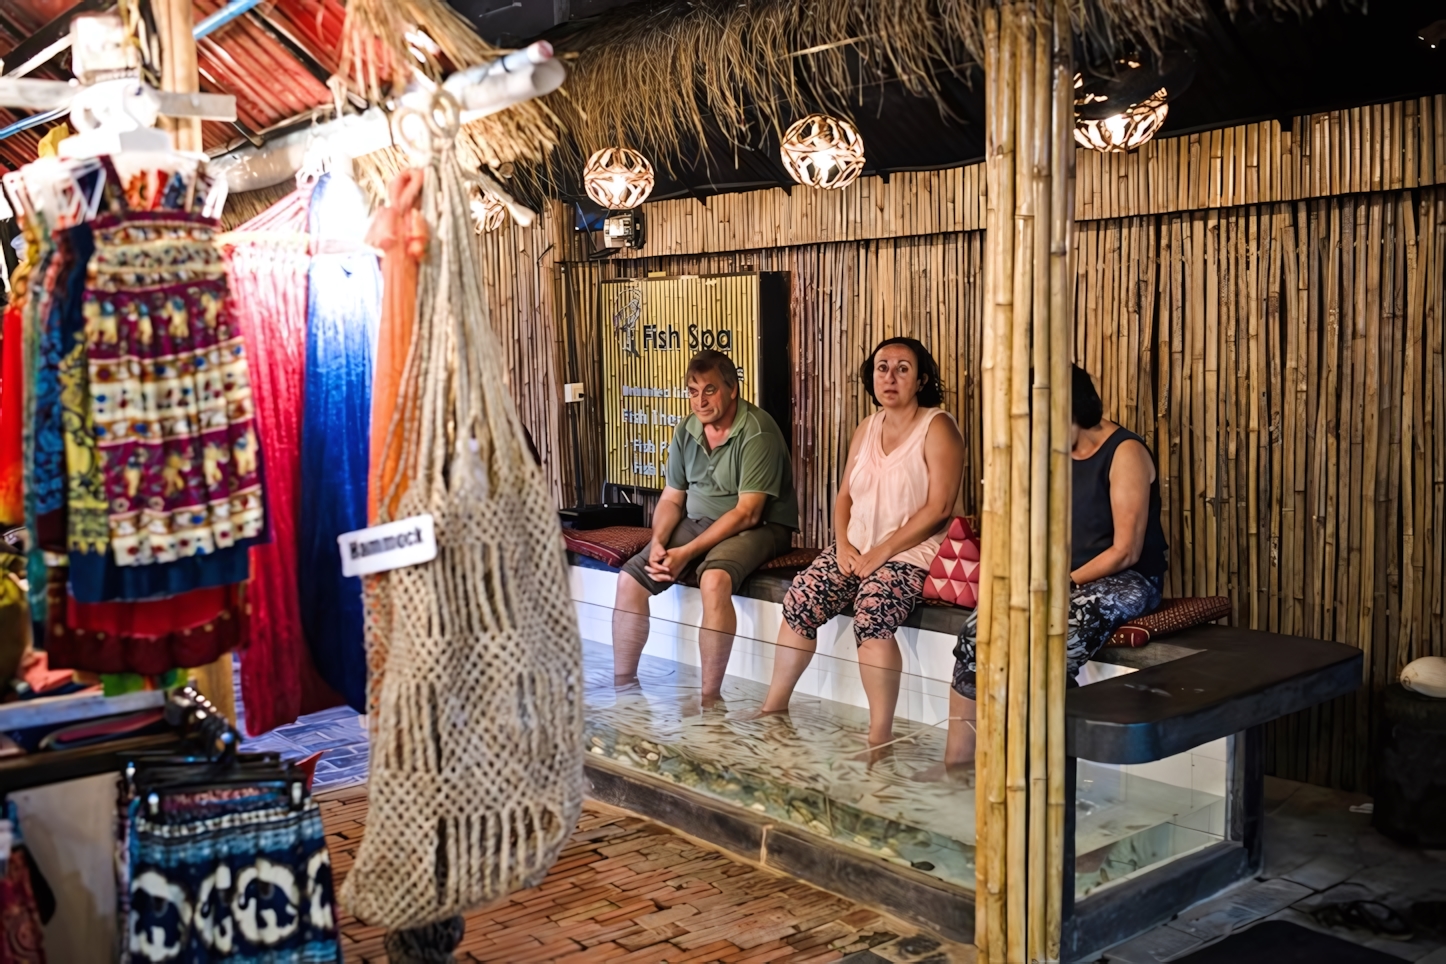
x: 1061, y: 320
x: 1038, y: 108
x: 989, y: 784
x: 1023, y: 606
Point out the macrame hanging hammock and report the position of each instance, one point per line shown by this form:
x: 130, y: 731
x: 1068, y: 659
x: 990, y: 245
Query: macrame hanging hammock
x: 476, y: 756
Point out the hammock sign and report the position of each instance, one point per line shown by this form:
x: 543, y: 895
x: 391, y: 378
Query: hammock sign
x: 392, y: 545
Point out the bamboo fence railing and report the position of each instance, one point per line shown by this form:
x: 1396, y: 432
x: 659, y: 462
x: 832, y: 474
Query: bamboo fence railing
x: 1229, y: 337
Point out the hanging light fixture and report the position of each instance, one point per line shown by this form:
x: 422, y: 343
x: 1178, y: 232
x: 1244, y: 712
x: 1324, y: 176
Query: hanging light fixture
x: 488, y: 212
x: 1120, y: 104
x: 823, y: 151
x: 618, y: 178
x: 1125, y: 130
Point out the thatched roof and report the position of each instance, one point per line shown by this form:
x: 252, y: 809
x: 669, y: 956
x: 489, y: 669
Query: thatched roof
x: 657, y: 75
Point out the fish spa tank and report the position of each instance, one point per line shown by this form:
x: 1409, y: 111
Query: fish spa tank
x: 889, y: 824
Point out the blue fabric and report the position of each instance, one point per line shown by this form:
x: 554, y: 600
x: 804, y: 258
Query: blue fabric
x: 47, y: 476
x: 230, y: 882
x: 95, y: 578
x: 344, y: 302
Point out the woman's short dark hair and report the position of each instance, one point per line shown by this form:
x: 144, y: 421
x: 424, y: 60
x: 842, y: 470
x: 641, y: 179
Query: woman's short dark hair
x: 931, y: 389
x: 1085, y: 405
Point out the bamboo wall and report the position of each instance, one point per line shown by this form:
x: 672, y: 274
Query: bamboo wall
x: 845, y: 298
x: 1285, y: 363
x: 1282, y: 355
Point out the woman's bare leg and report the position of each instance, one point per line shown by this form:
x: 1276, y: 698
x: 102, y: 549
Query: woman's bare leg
x: 960, y: 741
x: 791, y: 657
x: 880, y: 666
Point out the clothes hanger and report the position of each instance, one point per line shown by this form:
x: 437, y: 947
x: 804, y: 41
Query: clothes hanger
x: 113, y: 118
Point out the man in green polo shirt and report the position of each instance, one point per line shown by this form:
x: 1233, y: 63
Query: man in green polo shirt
x: 729, y: 507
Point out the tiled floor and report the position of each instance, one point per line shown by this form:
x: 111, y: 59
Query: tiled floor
x: 627, y: 890
x: 340, y: 733
x: 1317, y: 851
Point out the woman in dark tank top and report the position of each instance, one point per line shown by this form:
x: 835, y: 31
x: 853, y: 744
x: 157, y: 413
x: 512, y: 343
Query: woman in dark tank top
x: 1118, y: 557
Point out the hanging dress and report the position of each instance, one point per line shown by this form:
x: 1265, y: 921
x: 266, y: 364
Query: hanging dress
x: 169, y: 441
x: 343, y: 308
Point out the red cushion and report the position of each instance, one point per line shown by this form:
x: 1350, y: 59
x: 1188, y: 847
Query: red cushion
x: 613, y: 545
x: 954, y: 574
x: 1172, y: 616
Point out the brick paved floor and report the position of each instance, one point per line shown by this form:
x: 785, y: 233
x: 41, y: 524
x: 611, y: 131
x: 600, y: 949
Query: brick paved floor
x: 627, y: 890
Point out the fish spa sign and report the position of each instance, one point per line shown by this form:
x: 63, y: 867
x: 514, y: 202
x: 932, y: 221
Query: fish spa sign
x: 652, y: 327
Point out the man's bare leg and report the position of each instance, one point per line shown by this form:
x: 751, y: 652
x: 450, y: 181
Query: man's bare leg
x: 630, y: 628
x: 715, y: 636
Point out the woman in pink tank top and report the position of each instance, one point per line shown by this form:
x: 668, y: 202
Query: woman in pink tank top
x: 899, y: 488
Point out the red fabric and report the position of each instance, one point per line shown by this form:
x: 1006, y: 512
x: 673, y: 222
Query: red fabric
x: 36, y: 672
x: 954, y: 573
x: 22, y: 938
x: 279, y: 682
x: 612, y: 545
x: 12, y: 373
x: 1172, y: 616
x: 101, y: 652
x: 161, y: 617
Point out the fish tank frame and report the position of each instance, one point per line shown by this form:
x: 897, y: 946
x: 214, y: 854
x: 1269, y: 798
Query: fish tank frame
x: 804, y: 796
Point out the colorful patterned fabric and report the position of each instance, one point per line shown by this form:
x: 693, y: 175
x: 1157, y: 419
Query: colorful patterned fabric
x: 881, y: 601
x: 170, y: 396
x: 46, y: 474
x: 209, y: 879
x: 43, y: 254
x: 1096, y: 609
x: 86, y: 508
x: 22, y: 939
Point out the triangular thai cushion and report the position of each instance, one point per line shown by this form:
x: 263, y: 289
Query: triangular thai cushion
x: 954, y: 573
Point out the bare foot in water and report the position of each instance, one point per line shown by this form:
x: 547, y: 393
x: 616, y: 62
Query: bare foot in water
x: 757, y: 713
x: 875, y: 754
x: 959, y: 774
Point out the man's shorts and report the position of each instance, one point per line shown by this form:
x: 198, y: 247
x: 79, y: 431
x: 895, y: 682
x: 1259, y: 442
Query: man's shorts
x: 737, y: 555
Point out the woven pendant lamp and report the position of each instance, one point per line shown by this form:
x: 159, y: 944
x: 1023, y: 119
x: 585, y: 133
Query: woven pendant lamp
x: 823, y: 151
